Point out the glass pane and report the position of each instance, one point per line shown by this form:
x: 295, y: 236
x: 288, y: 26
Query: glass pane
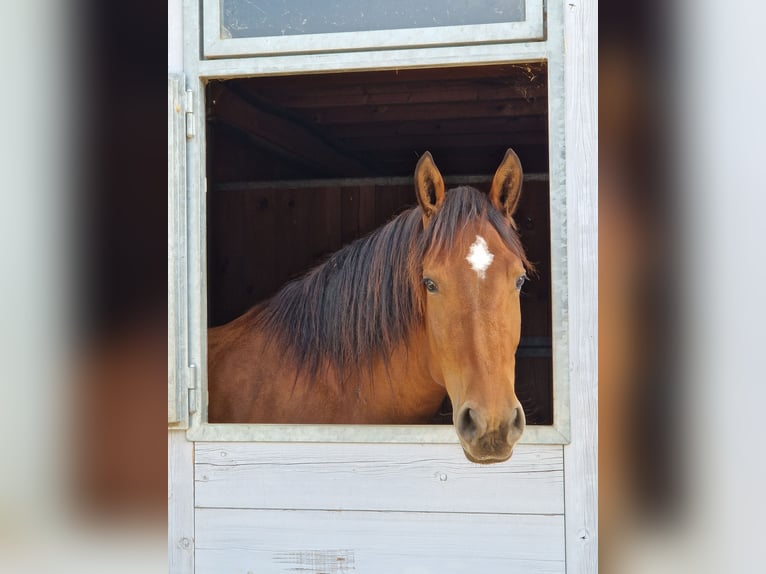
x: 261, y: 18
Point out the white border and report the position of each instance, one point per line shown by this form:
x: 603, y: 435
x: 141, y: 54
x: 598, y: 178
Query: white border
x: 581, y: 456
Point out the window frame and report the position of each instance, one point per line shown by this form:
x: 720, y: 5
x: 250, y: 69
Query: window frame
x: 215, y: 46
x: 193, y: 288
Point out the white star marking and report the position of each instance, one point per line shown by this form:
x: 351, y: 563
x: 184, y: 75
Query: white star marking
x: 480, y: 257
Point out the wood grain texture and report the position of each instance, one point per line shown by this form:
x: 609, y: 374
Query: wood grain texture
x: 180, y: 503
x: 285, y: 136
x: 241, y: 541
x: 580, y: 457
x: 406, y: 477
x: 175, y: 37
x: 261, y: 237
x: 382, y: 120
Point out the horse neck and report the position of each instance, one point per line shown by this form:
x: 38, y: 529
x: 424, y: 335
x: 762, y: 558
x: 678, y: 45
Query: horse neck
x: 402, y: 389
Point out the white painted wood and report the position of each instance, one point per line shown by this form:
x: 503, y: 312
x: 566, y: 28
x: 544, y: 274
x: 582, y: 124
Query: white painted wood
x: 407, y: 477
x: 175, y: 37
x: 243, y: 541
x: 580, y: 457
x: 180, y: 503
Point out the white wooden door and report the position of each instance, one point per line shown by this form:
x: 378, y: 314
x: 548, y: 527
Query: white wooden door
x: 377, y: 508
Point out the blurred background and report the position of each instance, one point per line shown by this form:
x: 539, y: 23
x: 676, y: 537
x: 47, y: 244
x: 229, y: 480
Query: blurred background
x: 82, y: 288
x: 681, y: 271
x: 682, y: 253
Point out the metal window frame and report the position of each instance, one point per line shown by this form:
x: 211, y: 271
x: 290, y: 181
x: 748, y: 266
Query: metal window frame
x: 193, y: 285
x: 216, y: 46
x: 178, y: 402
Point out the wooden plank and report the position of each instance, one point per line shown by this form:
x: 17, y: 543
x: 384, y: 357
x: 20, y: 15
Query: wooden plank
x: 420, y: 112
x: 363, y: 141
x: 240, y: 270
x: 349, y: 216
x: 292, y: 245
x: 470, y: 160
x: 380, y: 80
x: 534, y: 387
x: 387, y: 203
x: 180, y: 503
x: 233, y: 541
x: 417, y: 477
x: 435, y: 128
x: 175, y: 37
x: 280, y: 134
x: 315, y: 95
x: 533, y: 221
x: 534, y: 374
x: 449, y: 180
x: 581, y: 80
x: 366, y: 208
x: 225, y: 261
x: 260, y: 229
x: 325, y: 222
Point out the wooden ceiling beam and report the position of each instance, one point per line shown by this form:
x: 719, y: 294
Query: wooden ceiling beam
x: 408, y: 93
x: 531, y: 72
x: 437, y: 128
x: 422, y: 112
x: 282, y: 135
x: 456, y: 141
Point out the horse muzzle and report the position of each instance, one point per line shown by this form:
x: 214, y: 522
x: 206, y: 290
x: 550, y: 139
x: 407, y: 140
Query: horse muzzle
x: 486, y: 439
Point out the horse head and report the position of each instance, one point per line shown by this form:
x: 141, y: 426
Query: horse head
x: 473, y: 269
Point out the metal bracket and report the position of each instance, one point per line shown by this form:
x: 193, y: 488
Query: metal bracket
x: 193, y: 388
x: 190, y: 129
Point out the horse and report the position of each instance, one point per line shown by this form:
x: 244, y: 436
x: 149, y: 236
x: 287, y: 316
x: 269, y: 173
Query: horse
x: 426, y: 306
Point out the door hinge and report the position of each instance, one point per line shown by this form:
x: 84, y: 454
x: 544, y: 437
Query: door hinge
x: 189, y: 114
x: 193, y: 387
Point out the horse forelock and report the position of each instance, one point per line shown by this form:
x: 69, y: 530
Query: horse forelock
x: 366, y: 299
x: 462, y: 206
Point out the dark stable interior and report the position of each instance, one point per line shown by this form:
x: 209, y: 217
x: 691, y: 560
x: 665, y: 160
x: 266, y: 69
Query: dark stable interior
x: 298, y: 166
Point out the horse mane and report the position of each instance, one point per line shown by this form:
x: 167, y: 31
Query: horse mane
x: 365, y: 300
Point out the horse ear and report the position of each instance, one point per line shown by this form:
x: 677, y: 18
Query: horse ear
x: 429, y: 186
x: 506, y: 185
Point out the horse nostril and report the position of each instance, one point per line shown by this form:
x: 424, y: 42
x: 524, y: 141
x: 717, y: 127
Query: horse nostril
x: 466, y: 424
x: 518, y: 420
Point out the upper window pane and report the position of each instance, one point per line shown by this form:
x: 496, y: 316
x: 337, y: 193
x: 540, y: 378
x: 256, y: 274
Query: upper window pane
x: 286, y: 27
x: 263, y: 18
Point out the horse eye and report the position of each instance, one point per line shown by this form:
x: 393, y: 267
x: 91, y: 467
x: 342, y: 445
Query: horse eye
x: 430, y: 285
x: 520, y: 281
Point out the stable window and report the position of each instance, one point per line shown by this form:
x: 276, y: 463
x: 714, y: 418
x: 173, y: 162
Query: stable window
x: 242, y: 27
x: 274, y: 139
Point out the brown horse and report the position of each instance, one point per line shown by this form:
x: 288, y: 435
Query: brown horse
x: 426, y: 305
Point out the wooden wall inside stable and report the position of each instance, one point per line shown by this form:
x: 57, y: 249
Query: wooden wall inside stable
x: 260, y: 236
